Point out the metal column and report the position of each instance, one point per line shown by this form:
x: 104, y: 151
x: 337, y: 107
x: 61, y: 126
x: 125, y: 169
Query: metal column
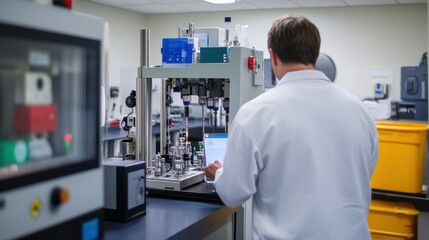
x: 163, y: 124
x: 144, y: 105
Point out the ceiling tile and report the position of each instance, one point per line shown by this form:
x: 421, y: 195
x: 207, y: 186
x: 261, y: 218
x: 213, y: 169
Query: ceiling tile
x: 200, y: 7
x: 177, y: 1
x: 155, y: 8
x: 269, y: 4
x: 319, y: 3
x: 240, y: 6
x: 180, y: 6
x: 124, y: 2
x: 369, y: 2
x: 411, y: 1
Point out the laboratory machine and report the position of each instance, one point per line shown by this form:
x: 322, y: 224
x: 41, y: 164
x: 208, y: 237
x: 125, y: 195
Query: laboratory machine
x: 414, y: 104
x: 51, y: 181
x: 219, y: 79
x: 124, y: 189
x: 222, y: 80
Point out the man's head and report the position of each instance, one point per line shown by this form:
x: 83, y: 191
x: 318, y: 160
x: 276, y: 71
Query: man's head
x: 294, y: 40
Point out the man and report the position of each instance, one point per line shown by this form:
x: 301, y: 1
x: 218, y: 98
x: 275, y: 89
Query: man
x: 305, y: 150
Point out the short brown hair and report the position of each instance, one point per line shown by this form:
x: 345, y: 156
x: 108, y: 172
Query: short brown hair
x: 294, y: 40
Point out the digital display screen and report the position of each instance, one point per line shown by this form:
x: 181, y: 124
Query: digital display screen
x: 215, y: 147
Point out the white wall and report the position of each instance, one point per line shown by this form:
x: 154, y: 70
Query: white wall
x: 357, y: 38
x: 124, y: 38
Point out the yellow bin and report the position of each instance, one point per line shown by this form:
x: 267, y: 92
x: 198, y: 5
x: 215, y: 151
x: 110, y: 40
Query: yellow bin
x: 392, y: 220
x: 401, y: 156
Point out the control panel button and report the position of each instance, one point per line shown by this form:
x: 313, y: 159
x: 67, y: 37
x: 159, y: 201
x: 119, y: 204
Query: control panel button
x: 59, y: 196
x: 251, y: 63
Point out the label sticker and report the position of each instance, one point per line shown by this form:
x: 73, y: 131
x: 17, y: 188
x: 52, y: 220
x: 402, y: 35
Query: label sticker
x: 39, y: 58
x: 35, y: 208
x: 90, y: 229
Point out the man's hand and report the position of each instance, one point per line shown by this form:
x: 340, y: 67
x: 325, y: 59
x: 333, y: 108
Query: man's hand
x: 210, y: 170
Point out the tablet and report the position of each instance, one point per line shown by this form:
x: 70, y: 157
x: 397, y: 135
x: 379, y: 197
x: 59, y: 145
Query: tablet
x: 214, y: 147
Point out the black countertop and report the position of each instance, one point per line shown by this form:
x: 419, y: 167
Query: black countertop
x: 170, y: 218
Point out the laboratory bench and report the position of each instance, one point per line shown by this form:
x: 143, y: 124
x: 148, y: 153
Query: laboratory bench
x: 173, y: 216
x: 192, y: 213
x: 176, y: 219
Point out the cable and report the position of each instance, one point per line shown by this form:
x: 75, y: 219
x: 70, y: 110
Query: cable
x: 124, y: 122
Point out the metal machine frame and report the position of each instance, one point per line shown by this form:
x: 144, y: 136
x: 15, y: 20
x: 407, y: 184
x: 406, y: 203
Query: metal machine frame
x: 244, y: 85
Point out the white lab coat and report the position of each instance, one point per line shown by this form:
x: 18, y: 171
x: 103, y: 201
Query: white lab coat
x: 305, y: 150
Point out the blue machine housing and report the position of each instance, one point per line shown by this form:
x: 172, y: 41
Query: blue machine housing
x: 177, y: 50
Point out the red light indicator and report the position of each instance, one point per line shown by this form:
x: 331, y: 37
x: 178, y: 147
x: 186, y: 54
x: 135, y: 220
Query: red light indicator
x: 251, y: 62
x: 68, y: 137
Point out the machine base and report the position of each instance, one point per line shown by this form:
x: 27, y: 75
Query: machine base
x: 202, y: 192
x: 170, y: 182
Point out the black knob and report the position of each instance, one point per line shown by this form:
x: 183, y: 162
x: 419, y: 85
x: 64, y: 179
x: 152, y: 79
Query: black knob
x: 130, y: 101
x: 59, y: 196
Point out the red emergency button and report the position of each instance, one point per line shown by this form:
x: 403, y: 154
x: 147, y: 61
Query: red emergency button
x: 64, y: 3
x: 251, y: 62
x: 59, y: 196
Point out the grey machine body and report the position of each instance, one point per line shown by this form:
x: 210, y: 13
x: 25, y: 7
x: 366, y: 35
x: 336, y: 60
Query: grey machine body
x: 414, y: 104
x: 124, y: 189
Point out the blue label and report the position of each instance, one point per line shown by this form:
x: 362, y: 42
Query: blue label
x: 90, y: 229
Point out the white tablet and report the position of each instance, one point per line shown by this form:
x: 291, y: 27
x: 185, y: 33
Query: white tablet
x: 214, y: 147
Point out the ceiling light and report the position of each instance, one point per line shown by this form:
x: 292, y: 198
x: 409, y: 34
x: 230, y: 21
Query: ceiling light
x: 220, y: 1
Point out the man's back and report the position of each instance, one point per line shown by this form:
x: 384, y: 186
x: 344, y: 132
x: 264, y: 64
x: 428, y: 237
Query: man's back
x: 306, y: 150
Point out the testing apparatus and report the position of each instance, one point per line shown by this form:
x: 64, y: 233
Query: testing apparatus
x: 214, y: 76
x: 51, y: 182
x: 228, y: 75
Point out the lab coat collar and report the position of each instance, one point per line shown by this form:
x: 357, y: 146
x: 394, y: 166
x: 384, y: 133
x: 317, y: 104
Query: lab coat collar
x: 303, y: 75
